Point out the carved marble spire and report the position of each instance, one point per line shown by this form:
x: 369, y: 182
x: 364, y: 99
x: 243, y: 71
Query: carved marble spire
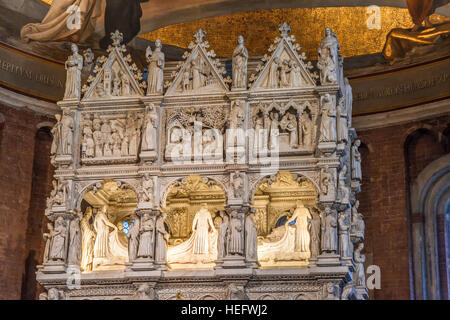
x: 117, y: 38
x: 284, y: 29
x: 199, y: 36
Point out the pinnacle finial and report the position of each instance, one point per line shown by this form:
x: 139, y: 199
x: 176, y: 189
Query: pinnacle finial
x: 199, y: 36
x: 284, y: 29
x: 117, y: 38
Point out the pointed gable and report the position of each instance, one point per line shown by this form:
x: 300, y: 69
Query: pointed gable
x: 200, y: 73
x: 284, y: 68
x: 114, y: 76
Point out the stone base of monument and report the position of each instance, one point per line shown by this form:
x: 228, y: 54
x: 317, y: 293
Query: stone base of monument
x: 233, y: 262
x: 142, y: 265
x: 327, y: 148
x: 328, y: 259
x: 53, y: 267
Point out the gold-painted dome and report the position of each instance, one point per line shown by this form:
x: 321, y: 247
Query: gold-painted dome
x: 259, y: 28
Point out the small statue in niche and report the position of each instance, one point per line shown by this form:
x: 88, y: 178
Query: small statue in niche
x: 251, y: 236
x: 66, y: 133
x: 58, y: 243
x: 147, y: 188
x: 300, y: 219
x: 73, y: 65
x: 358, y: 224
x: 327, y: 181
x: 306, y: 127
x: 284, y: 69
x: 235, y: 238
x: 344, y: 191
x: 240, y: 58
x: 356, y: 161
x: 156, y: 61
x: 259, y: 141
x: 328, y: 58
x: 222, y: 240
x: 57, y: 136
x: 274, y: 131
x: 116, y: 85
x: 75, y: 240
x: 186, y: 78
x: 125, y: 85
x: 315, y: 226
x: 146, y: 237
x: 343, y: 127
x: 272, y: 79
x: 238, y: 185
x: 133, y: 240
x: 329, y: 236
x: 344, y: 235
x: 296, y: 75
x: 116, y: 142
x: 331, y: 291
x: 61, y: 192
x: 328, y: 124
x: 360, y: 259
x: 48, y: 238
x: 98, y: 138
x: 150, y: 125
x: 162, y: 239
x: 289, y: 123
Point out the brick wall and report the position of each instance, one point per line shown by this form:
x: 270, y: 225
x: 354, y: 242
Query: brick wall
x: 17, y: 147
x: 391, y: 158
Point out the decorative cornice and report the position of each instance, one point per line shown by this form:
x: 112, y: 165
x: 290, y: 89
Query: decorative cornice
x: 16, y: 100
x: 406, y: 115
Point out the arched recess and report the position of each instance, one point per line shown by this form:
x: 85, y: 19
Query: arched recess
x: 430, y: 198
x: 41, y: 185
x: 183, y: 197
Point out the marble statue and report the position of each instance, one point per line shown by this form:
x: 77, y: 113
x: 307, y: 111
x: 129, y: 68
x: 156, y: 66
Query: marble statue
x: 235, y: 245
x: 289, y: 123
x: 87, y: 243
x: 162, y: 239
x: 348, y: 100
x: 296, y: 79
x: 107, y: 246
x: 59, y: 241
x: 48, y: 238
x: 146, y: 237
x: 251, y: 236
x: 237, y: 182
x: 147, y: 188
x: 343, y: 190
x: 149, y: 128
x: 133, y: 239
x: 156, y: 62
x: 343, y: 125
x: 274, y: 131
x: 88, y: 60
x: 222, y: 241
x: 240, y: 58
x: 328, y: 123
x: 328, y: 58
x: 356, y: 161
x: 306, y: 127
x: 301, y: 217
x: 75, y: 240
x: 57, y: 136
x: 55, y: 294
x: 344, y: 234
x: 315, y: 234
x: 360, y: 277
x: 358, y: 224
x: 272, y: 79
x: 73, y: 65
x: 67, y: 127
x: 329, y: 236
x: 201, y: 247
